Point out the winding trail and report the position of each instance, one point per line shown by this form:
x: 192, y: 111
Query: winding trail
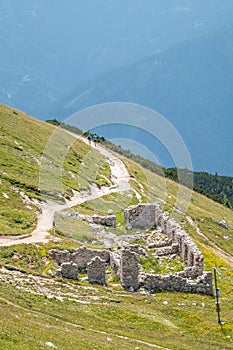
x: 119, y: 177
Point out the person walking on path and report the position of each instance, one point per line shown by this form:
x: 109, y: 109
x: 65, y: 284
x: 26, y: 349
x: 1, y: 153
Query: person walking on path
x: 89, y: 138
x: 95, y: 139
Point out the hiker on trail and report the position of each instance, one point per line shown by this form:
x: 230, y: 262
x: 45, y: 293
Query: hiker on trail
x: 95, y: 139
x: 89, y: 138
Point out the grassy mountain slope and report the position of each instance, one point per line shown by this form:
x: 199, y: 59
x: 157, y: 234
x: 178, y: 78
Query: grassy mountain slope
x: 75, y: 315
x: 40, y: 312
x: 23, y: 141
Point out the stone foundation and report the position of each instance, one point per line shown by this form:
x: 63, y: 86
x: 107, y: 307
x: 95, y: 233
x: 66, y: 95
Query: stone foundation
x: 137, y: 250
x: 169, y: 250
x: 202, y: 284
x: 105, y: 220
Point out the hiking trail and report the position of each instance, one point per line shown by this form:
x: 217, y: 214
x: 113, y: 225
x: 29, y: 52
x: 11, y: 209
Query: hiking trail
x: 119, y: 177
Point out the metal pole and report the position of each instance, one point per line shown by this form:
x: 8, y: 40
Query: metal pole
x: 217, y: 295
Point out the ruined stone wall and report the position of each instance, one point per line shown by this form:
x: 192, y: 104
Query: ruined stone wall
x: 188, y: 250
x: 60, y: 256
x: 108, y: 220
x: 142, y: 216
x: 174, y: 282
x: 68, y: 270
x: 96, y: 270
x: 178, y: 241
x: 129, y: 270
x: 81, y: 256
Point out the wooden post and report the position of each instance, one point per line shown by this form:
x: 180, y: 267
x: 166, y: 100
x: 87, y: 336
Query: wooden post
x: 217, y: 295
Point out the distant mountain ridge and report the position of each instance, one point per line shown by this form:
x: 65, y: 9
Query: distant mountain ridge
x: 50, y: 47
x: 191, y: 84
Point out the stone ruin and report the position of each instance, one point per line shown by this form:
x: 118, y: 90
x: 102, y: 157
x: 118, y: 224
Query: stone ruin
x: 125, y: 262
x: 108, y: 220
x: 129, y: 270
x: 105, y: 220
x: 142, y: 216
x: 96, y: 270
x: 68, y: 270
x: 81, y: 256
x: 175, y: 241
x: 82, y: 260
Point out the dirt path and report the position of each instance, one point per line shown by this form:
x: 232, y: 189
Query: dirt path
x: 119, y: 177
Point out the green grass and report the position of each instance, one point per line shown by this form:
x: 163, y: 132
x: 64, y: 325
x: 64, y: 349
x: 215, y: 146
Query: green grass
x: 94, y: 169
x: 150, y: 186
x: 163, y: 265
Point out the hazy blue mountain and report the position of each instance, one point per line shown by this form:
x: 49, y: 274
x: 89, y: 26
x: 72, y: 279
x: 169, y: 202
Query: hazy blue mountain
x: 191, y: 84
x: 49, y: 47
